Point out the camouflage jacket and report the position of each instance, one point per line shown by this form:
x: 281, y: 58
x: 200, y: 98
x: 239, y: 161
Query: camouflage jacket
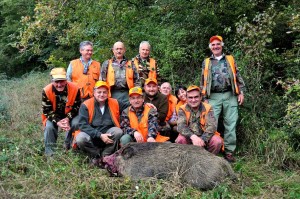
x: 193, y: 126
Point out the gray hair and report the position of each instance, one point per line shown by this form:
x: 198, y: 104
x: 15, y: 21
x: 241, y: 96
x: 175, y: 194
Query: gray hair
x: 85, y: 43
x: 145, y: 42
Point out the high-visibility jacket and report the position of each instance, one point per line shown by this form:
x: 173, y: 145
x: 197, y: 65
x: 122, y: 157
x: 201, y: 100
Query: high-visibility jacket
x: 142, y: 126
x: 85, y: 82
x: 180, y: 103
x: 172, y: 100
x: 152, y: 71
x: 110, y: 79
x: 208, y: 76
x: 114, y: 111
x: 72, y: 93
x: 202, y: 118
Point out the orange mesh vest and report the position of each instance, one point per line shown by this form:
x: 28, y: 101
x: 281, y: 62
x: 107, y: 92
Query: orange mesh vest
x: 142, y: 126
x: 72, y: 92
x: 230, y: 60
x: 85, y: 82
x: 113, y: 107
x: 110, y: 80
x: 172, y: 100
x: 152, y: 72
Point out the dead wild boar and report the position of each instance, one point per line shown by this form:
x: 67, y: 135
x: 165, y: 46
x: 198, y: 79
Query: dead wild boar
x: 189, y: 164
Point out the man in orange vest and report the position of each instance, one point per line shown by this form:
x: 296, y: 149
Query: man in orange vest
x: 60, y: 103
x: 120, y: 74
x: 165, y: 89
x: 146, y: 65
x: 84, y: 71
x: 99, y: 124
x: 196, y: 123
x: 139, y: 120
x: 223, y: 87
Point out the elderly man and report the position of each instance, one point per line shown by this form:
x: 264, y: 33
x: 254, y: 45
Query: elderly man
x: 139, y: 120
x: 99, y: 124
x: 147, y: 66
x: 60, y: 104
x: 84, y: 71
x: 171, y: 118
x: 160, y: 101
x: 222, y: 85
x: 196, y: 123
x: 120, y: 74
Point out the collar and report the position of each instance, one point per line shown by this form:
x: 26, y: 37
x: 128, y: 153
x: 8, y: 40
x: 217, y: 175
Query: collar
x: 213, y: 56
x: 89, y: 62
x: 140, y: 59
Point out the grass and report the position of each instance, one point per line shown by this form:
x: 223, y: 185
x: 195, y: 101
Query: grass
x: 26, y: 173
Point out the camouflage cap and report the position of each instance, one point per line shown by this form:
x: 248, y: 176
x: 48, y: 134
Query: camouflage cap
x: 58, y: 74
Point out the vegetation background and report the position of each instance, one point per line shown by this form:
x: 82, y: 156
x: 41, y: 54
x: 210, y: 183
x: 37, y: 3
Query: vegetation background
x: 263, y: 36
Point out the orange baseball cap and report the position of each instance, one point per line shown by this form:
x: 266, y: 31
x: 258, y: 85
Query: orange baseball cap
x: 216, y: 37
x: 100, y: 84
x: 136, y: 90
x: 193, y: 87
x: 58, y: 74
x: 149, y: 80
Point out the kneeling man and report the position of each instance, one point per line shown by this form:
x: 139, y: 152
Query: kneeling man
x: 139, y: 120
x: 99, y: 124
x: 197, y: 124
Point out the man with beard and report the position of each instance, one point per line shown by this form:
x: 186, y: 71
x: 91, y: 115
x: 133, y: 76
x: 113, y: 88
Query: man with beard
x: 160, y: 101
x: 60, y: 104
x: 119, y: 74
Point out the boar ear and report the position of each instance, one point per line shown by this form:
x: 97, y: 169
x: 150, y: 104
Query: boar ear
x: 128, y: 152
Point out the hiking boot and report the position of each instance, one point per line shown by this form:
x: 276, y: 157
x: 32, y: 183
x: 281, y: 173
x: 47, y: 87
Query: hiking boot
x: 229, y: 157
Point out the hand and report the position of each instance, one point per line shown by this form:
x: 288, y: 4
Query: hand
x: 241, y: 98
x: 197, y: 141
x: 105, y: 138
x: 138, y: 137
x: 151, y: 105
x: 64, y: 124
x: 140, y: 67
x: 151, y: 139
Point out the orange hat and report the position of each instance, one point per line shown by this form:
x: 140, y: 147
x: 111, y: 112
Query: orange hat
x: 149, y: 80
x: 58, y: 74
x: 216, y: 37
x: 193, y: 87
x: 100, y: 84
x: 135, y: 90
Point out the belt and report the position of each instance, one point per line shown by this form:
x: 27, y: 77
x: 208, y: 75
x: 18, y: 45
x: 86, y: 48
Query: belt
x: 223, y: 90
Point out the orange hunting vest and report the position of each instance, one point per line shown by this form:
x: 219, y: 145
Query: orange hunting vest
x: 85, y: 82
x: 180, y: 103
x: 172, y: 100
x: 230, y: 60
x: 113, y: 107
x: 202, y: 118
x: 72, y: 92
x: 110, y: 80
x: 152, y: 72
x: 142, y: 126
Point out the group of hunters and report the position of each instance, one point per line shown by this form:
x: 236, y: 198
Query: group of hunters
x: 103, y: 107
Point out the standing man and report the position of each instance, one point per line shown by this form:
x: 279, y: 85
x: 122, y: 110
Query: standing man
x: 196, y: 123
x: 119, y: 74
x: 147, y: 66
x: 139, y: 120
x: 99, y: 124
x: 60, y: 103
x: 84, y: 71
x: 160, y: 101
x: 222, y: 85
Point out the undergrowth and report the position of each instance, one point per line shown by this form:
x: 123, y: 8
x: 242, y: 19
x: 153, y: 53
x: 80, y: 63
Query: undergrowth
x: 27, y: 173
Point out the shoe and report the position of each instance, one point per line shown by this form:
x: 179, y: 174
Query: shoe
x: 229, y: 157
